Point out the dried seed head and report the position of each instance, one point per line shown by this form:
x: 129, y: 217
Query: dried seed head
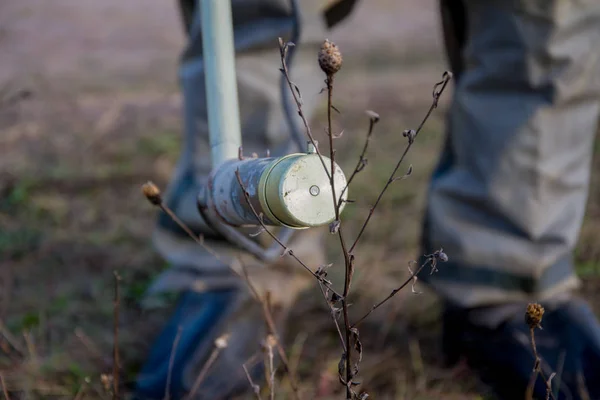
x: 222, y: 341
x: 152, y: 193
x: 533, y: 315
x: 271, y: 341
x: 330, y: 58
x: 106, y: 381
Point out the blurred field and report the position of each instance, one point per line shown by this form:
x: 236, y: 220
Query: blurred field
x: 90, y: 109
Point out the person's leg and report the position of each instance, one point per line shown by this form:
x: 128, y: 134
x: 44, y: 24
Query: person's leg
x: 215, y: 301
x: 507, y: 199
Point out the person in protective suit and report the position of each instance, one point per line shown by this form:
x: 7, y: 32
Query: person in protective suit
x: 506, y: 201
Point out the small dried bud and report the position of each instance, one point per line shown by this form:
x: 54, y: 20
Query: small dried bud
x: 334, y: 227
x: 410, y: 134
x: 222, y: 341
x: 443, y: 257
x: 330, y: 58
x: 533, y: 315
x: 152, y: 193
x: 106, y: 381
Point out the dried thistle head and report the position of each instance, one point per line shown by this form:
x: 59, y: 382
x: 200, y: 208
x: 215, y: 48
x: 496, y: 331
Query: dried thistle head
x: 330, y: 58
x: 152, y: 193
x: 533, y: 315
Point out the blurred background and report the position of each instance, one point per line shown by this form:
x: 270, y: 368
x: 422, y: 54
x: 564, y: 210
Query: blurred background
x: 90, y: 109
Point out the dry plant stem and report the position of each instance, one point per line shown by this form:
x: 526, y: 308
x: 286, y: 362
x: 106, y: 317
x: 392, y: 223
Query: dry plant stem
x: 116, y: 361
x: 537, y: 370
x: 437, y: 92
x: 284, y: 359
x: 203, y: 372
x: 329, y: 82
x: 171, y: 362
x: 393, y: 293
x: 4, y: 390
x: 294, y: 90
x: 549, y: 385
x: 270, y: 321
x: 361, y: 160
x: 332, y: 311
x: 255, y: 387
x: 270, y: 369
x: 330, y: 175
x: 276, y: 239
x: 536, y: 365
x: 188, y: 231
x: 347, y: 260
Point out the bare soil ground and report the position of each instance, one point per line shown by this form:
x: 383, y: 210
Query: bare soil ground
x: 90, y: 109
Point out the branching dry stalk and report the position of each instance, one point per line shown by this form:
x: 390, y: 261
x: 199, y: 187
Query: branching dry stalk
x: 411, y: 135
x: 362, y: 160
x: 255, y: 387
x: 533, y: 318
x: 116, y: 361
x: 330, y: 61
x: 272, y: 328
x: 395, y: 291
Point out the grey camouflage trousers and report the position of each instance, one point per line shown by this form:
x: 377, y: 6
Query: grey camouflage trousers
x: 507, y: 199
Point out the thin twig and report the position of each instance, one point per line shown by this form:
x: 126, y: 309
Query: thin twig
x: 171, y: 362
x: 284, y: 359
x: 198, y: 239
x: 537, y: 369
x: 272, y: 328
x: 362, y: 161
x: 255, y: 387
x: 536, y: 365
x: 283, y: 48
x: 333, y: 316
x: 269, y: 365
x: 394, y: 292
x: 4, y: 389
x: 438, y: 89
x: 220, y: 344
x: 116, y: 361
x: 549, y: 385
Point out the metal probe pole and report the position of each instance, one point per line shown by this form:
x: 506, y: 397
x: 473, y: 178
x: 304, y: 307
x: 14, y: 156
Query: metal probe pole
x: 221, y: 83
x: 292, y: 191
